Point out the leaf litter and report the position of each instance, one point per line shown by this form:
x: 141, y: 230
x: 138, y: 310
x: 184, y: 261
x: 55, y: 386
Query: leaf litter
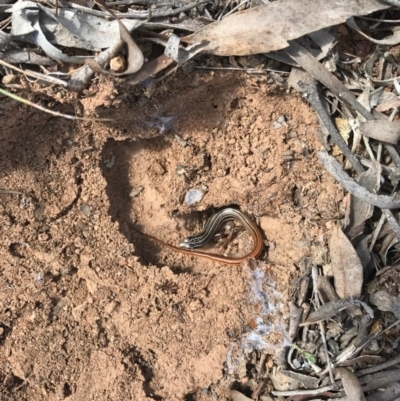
x: 332, y: 346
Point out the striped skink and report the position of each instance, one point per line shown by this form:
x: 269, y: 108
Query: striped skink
x: 212, y: 226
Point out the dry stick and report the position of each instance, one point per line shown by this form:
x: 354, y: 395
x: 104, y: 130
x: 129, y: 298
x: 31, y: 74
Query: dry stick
x: 235, y: 8
x: 36, y: 75
x: 305, y: 392
x: 379, y: 379
x: 376, y: 232
x: 314, y: 274
x: 223, y: 10
x: 311, y: 94
x: 137, y: 14
x: 81, y: 78
x: 306, y: 60
x: 377, y: 368
x: 355, y: 350
x: 391, y: 150
x: 5, y: 191
x: 136, y: 2
x: 309, y: 63
x: 392, y: 172
x: 249, y: 70
x: 336, y: 171
x: 49, y: 111
x: 393, y: 222
x: 376, y: 335
x: 352, y: 102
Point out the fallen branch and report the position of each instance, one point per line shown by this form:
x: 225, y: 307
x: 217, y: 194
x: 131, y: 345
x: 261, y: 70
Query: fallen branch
x: 337, y: 172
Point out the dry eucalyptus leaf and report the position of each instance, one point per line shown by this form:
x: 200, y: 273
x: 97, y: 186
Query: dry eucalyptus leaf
x: 327, y: 311
x: 135, y: 57
x: 306, y: 380
x: 384, y: 290
x: 382, y: 130
x: 346, y: 265
x: 388, y: 105
x: 282, y: 382
x: 351, y: 385
x: 361, y: 211
x: 269, y: 27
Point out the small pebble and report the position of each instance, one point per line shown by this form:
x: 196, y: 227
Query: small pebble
x: 8, y: 79
x: 194, y: 195
x: 276, y: 125
x: 110, y: 162
x: 117, y: 64
x: 85, y: 209
x: 181, y: 170
x: 136, y: 191
x: 181, y: 141
x: 281, y: 120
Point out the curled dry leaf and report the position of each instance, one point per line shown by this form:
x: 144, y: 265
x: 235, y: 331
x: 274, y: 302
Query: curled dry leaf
x: 151, y: 68
x: 346, y: 265
x: 135, y: 57
x: 390, y: 40
x: 351, y: 385
x: 269, y: 27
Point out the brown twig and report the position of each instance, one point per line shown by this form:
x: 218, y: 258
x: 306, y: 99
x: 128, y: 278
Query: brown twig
x: 337, y: 172
x: 137, y: 14
x: 314, y: 275
x: 309, y: 87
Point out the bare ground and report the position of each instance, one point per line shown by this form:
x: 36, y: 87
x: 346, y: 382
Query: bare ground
x: 89, y: 309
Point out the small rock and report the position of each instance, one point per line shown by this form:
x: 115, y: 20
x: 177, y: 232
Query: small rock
x: 281, y: 120
x: 110, y: 307
x: 85, y: 209
x: 276, y: 125
x: 117, y: 64
x: 181, y: 170
x: 181, y: 141
x: 8, y: 79
x: 136, y: 191
x: 194, y: 195
x: 110, y: 162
